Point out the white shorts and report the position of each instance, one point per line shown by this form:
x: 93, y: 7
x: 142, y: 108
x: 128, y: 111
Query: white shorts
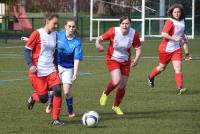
x: 66, y: 74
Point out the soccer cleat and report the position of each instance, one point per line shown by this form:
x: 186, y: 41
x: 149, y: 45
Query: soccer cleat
x: 49, y: 108
x: 57, y: 123
x: 72, y: 115
x: 117, y: 110
x: 182, y: 91
x: 151, y: 82
x: 103, y: 99
x: 30, y: 103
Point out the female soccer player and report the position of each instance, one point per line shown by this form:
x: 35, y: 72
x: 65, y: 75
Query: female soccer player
x: 69, y: 55
x: 118, y: 59
x: 39, y: 56
x: 170, y: 47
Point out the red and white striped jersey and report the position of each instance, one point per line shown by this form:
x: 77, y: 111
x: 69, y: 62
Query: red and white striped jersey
x: 43, y: 46
x: 120, y: 45
x: 173, y: 28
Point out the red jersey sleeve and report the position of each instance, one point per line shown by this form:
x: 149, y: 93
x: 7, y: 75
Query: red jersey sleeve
x: 136, y: 41
x: 167, y: 27
x: 33, y: 40
x: 109, y: 34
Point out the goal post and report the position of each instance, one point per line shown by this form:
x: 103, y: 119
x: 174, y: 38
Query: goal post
x: 99, y: 20
x: 148, y: 22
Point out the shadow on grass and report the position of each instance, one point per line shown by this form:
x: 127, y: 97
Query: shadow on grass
x: 144, y: 115
x: 193, y: 92
x: 174, y: 92
x: 104, y: 116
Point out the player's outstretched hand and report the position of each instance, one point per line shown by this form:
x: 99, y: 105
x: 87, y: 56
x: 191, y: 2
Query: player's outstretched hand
x: 74, y: 77
x: 33, y: 69
x: 188, y: 57
x: 24, y: 38
x: 177, y: 39
x: 133, y: 63
x: 100, y: 48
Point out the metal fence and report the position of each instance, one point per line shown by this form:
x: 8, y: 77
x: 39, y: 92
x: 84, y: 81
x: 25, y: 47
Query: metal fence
x: 8, y: 31
x: 197, y: 26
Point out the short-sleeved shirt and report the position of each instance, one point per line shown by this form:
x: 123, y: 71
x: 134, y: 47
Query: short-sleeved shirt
x: 68, y: 50
x: 173, y: 28
x: 120, y: 45
x: 43, y: 46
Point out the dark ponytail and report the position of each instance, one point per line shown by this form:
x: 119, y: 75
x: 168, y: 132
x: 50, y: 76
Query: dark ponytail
x: 50, y: 16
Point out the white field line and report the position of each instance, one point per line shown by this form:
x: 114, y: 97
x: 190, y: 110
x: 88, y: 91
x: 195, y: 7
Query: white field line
x: 11, y: 47
x: 87, y: 57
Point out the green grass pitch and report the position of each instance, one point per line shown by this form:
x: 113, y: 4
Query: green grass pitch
x: 147, y: 111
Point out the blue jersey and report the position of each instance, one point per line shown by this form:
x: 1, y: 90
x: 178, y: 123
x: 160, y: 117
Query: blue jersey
x: 68, y: 50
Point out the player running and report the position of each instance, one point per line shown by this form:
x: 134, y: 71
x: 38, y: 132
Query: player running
x: 170, y: 47
x: 39, y: 56
x: 118, y: 59
x: 69, y: 55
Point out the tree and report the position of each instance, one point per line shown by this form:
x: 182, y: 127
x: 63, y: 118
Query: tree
x: 114, y: 7
x: 50, y: 5
x: 104, y: 8
x: 9, y: 5
x: 10, y: 1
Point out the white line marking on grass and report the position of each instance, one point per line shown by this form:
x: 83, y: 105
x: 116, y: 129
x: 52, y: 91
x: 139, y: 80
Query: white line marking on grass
x: 87, y: 57
x: 19, y: 55
x: 11, y: 47
x: 20, y: 71
x: 98, y: 56
x: 11, y: 80
x: 12, y: 71
x: 84, y: 73
x: 23, y: 79
x: 11, y: 57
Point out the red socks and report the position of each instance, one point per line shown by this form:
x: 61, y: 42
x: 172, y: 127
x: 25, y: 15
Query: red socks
x: 57, y: 102
x: 178, y: 77
x: 110, y: 88
x: 119, y: 96
x: 179, y: 80
x: 154, y: 73
x: 36, y: 97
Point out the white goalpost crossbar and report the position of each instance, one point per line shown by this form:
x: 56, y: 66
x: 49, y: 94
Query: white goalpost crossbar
x: 109, y: 19
x: 142, y: 20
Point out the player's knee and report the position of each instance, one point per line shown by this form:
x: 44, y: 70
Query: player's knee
x: 116, y: 82
x: 122, y: 86
x: 57, y: 90
x: 67, y: 94
x: 161, y: 68
x: 43, y: 98
x: 178, y: 71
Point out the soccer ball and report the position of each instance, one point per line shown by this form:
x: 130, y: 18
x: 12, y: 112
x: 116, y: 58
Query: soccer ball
x: 90, y: 119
